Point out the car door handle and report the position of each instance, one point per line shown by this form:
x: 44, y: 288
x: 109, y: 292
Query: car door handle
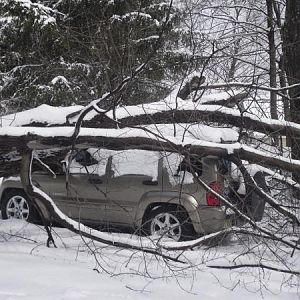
x: 95, y: 180
x: 150, y: 182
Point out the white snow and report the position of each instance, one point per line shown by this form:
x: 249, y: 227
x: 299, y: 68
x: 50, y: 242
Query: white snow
x: 59, y: 79
x: 41, y: 114
x: 148, y: 38
x: 194, y: 131
x: 43, y: 14
x: 31, y: 271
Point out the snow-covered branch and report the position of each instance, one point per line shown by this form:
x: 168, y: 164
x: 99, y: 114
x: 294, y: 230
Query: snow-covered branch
x: 162, y: 112
x: 134, y: 138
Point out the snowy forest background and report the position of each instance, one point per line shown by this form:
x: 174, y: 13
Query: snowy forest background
x: 136, y: 53
x: 70, y: 52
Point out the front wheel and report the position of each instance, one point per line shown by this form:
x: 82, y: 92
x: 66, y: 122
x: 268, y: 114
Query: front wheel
x: 15, y: 204
x: 169, y: 221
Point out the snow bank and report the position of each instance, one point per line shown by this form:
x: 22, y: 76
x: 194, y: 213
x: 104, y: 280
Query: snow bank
x: 31, y: 271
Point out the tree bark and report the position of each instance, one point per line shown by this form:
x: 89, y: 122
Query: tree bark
x: 24, y: 141
x: 291, y: 48
x: 272, y: 57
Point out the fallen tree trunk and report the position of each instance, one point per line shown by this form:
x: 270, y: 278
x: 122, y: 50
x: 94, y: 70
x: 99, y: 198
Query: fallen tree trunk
x: 209, y: 114
x: 22, y: 139
x: 213, y: 114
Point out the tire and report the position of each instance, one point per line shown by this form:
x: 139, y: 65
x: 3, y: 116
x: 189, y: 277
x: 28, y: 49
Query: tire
x: 170, y: 221
x: 15, y: 204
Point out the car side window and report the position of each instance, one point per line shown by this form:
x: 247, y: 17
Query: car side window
x: 135, y: 162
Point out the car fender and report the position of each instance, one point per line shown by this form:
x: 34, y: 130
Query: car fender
x: 10, y: 183
x: 15, y: 183
x: 152, y: 198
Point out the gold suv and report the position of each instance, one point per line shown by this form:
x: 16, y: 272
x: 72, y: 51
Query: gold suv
x: 151, y: 192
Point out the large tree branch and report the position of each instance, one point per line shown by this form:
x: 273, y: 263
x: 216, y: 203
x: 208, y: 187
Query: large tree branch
x: 120, y: 139
x: 261, y: 266
x: 204, y: 113
x: 248, y: 86
x: 167, y: 113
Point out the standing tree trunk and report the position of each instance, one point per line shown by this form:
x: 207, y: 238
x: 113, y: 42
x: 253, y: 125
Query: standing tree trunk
x: 281, y: 64
x: 272, y: 57
x: 291, y: 48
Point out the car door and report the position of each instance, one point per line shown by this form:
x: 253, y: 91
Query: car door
x: 133, y: 174
x: 84, y: 197
x: 55, y: 187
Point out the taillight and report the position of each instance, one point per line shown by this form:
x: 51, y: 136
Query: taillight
x: 211, y: 199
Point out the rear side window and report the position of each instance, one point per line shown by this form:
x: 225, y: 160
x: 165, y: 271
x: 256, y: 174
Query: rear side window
x: 179, y: 169
x: 191, y: 165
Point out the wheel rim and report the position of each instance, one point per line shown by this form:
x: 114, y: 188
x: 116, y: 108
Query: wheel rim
x: 166, y: 224
x: 17, y: 207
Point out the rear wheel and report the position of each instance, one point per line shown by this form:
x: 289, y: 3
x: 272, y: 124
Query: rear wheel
x: 169, y: 221
x: 15, y: 204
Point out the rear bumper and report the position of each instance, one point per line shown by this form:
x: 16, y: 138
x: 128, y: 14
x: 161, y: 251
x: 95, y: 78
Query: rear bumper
x: 212, y: 219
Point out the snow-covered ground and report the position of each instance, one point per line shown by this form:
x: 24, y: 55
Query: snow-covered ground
x: 30, y: 270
